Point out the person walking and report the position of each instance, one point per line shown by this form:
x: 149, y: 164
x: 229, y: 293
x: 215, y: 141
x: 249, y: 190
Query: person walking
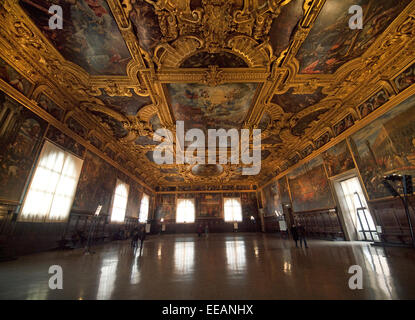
x: 294, y: 233
x: 301, y: 235
x: 199, y: 230
x: 142, y: 237
x: 134, y: 240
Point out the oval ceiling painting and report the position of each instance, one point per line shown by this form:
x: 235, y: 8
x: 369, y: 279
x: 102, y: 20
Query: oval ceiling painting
x: 207, y: 170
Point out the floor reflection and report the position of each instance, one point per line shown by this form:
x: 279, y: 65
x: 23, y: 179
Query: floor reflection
x: 377, y: 262
x: 37, y: 293
x: 224, y: 266
x: 107, y: 278
x: 184, y: 253
x: 135, y: 275
x: 235, y: 255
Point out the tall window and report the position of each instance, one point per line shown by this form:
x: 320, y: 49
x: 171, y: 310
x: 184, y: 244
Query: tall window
x: 120, y: 202
x: 185, y: 210
x: 358, y: 209
x: 53, y: 185
x: 233, y: 210
x: 144, y: 209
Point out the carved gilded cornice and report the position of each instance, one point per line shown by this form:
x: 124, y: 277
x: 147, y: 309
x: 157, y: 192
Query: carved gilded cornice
x: 239, y: 28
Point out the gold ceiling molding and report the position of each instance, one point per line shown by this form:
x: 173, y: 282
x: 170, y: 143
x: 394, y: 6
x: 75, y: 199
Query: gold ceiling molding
x: 240, y: 28
x: 216, y: 25
x: 394, y: 101
x: 34, y: 107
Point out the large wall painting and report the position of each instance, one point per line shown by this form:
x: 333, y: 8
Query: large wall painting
x: 338, y: 159
x: 13, y: 78
x: 386, y: 146
x: 209, y: 205
x: 272, y: 199
x: 134, y: 200
x: 201, y: 106
x: 373, y: 103
x: 96, y: 185
x: 114, y: 125
x: 76, y: 127
x: 249, y: 205
x: 90, y: 36
x: 284, y: 191
x: 331, y: 43
x: 166, y: 207
x: 19, y: 141
x: 405, y: 79
x: 310, y: 189
x: 64, y: 141
x: 51, y: 107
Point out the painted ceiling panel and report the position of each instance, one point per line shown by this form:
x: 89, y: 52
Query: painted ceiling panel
x: 89, y: 37
x: 145, y: 23
x: 221, y: 59
x: 128, y: 106
x: 183, y: 55
x: 331, y: 43
x: 205, y: 107
x: 283, y: 27
x: 294, y: 103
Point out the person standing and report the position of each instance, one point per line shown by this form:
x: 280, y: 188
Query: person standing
x: 294, y: 233
x: 301, y: 235
x: 206, y: 230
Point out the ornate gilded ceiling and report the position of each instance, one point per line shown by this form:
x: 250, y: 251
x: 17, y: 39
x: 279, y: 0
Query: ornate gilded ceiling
x: 120, y: 69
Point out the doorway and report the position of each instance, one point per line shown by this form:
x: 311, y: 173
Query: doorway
x: 357, y: 209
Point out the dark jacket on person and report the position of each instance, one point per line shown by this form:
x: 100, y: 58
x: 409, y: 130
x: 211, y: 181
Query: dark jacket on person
x: 294, y: 233
x: 142, y: 235
x: 136, y: 236
x: 301, y: 231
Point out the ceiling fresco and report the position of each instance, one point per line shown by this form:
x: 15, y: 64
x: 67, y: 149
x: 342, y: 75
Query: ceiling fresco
x: 121, y: 69
x: 283, y: 28
x: 331, y: 43
x: 128, y: 106
x: 293, y: 103
x: 220, y: 59
x: 90, y: 38
x: 205, y: 107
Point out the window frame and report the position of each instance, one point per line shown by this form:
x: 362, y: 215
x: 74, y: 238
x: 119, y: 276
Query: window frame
x: 31, y: 177
x: 224, y: 209
x: 192, y: 200
x: 145, y: 195
x: 119, y: 183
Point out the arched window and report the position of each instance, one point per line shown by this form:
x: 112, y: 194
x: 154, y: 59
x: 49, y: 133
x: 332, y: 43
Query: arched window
x: 233, y: 209
x: 144, y: 208
x: 185, y: 210
x: 53, y: 185
x: 120, y: 202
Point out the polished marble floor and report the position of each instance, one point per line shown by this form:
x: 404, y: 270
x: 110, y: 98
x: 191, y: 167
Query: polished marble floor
x: 222, y: 266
